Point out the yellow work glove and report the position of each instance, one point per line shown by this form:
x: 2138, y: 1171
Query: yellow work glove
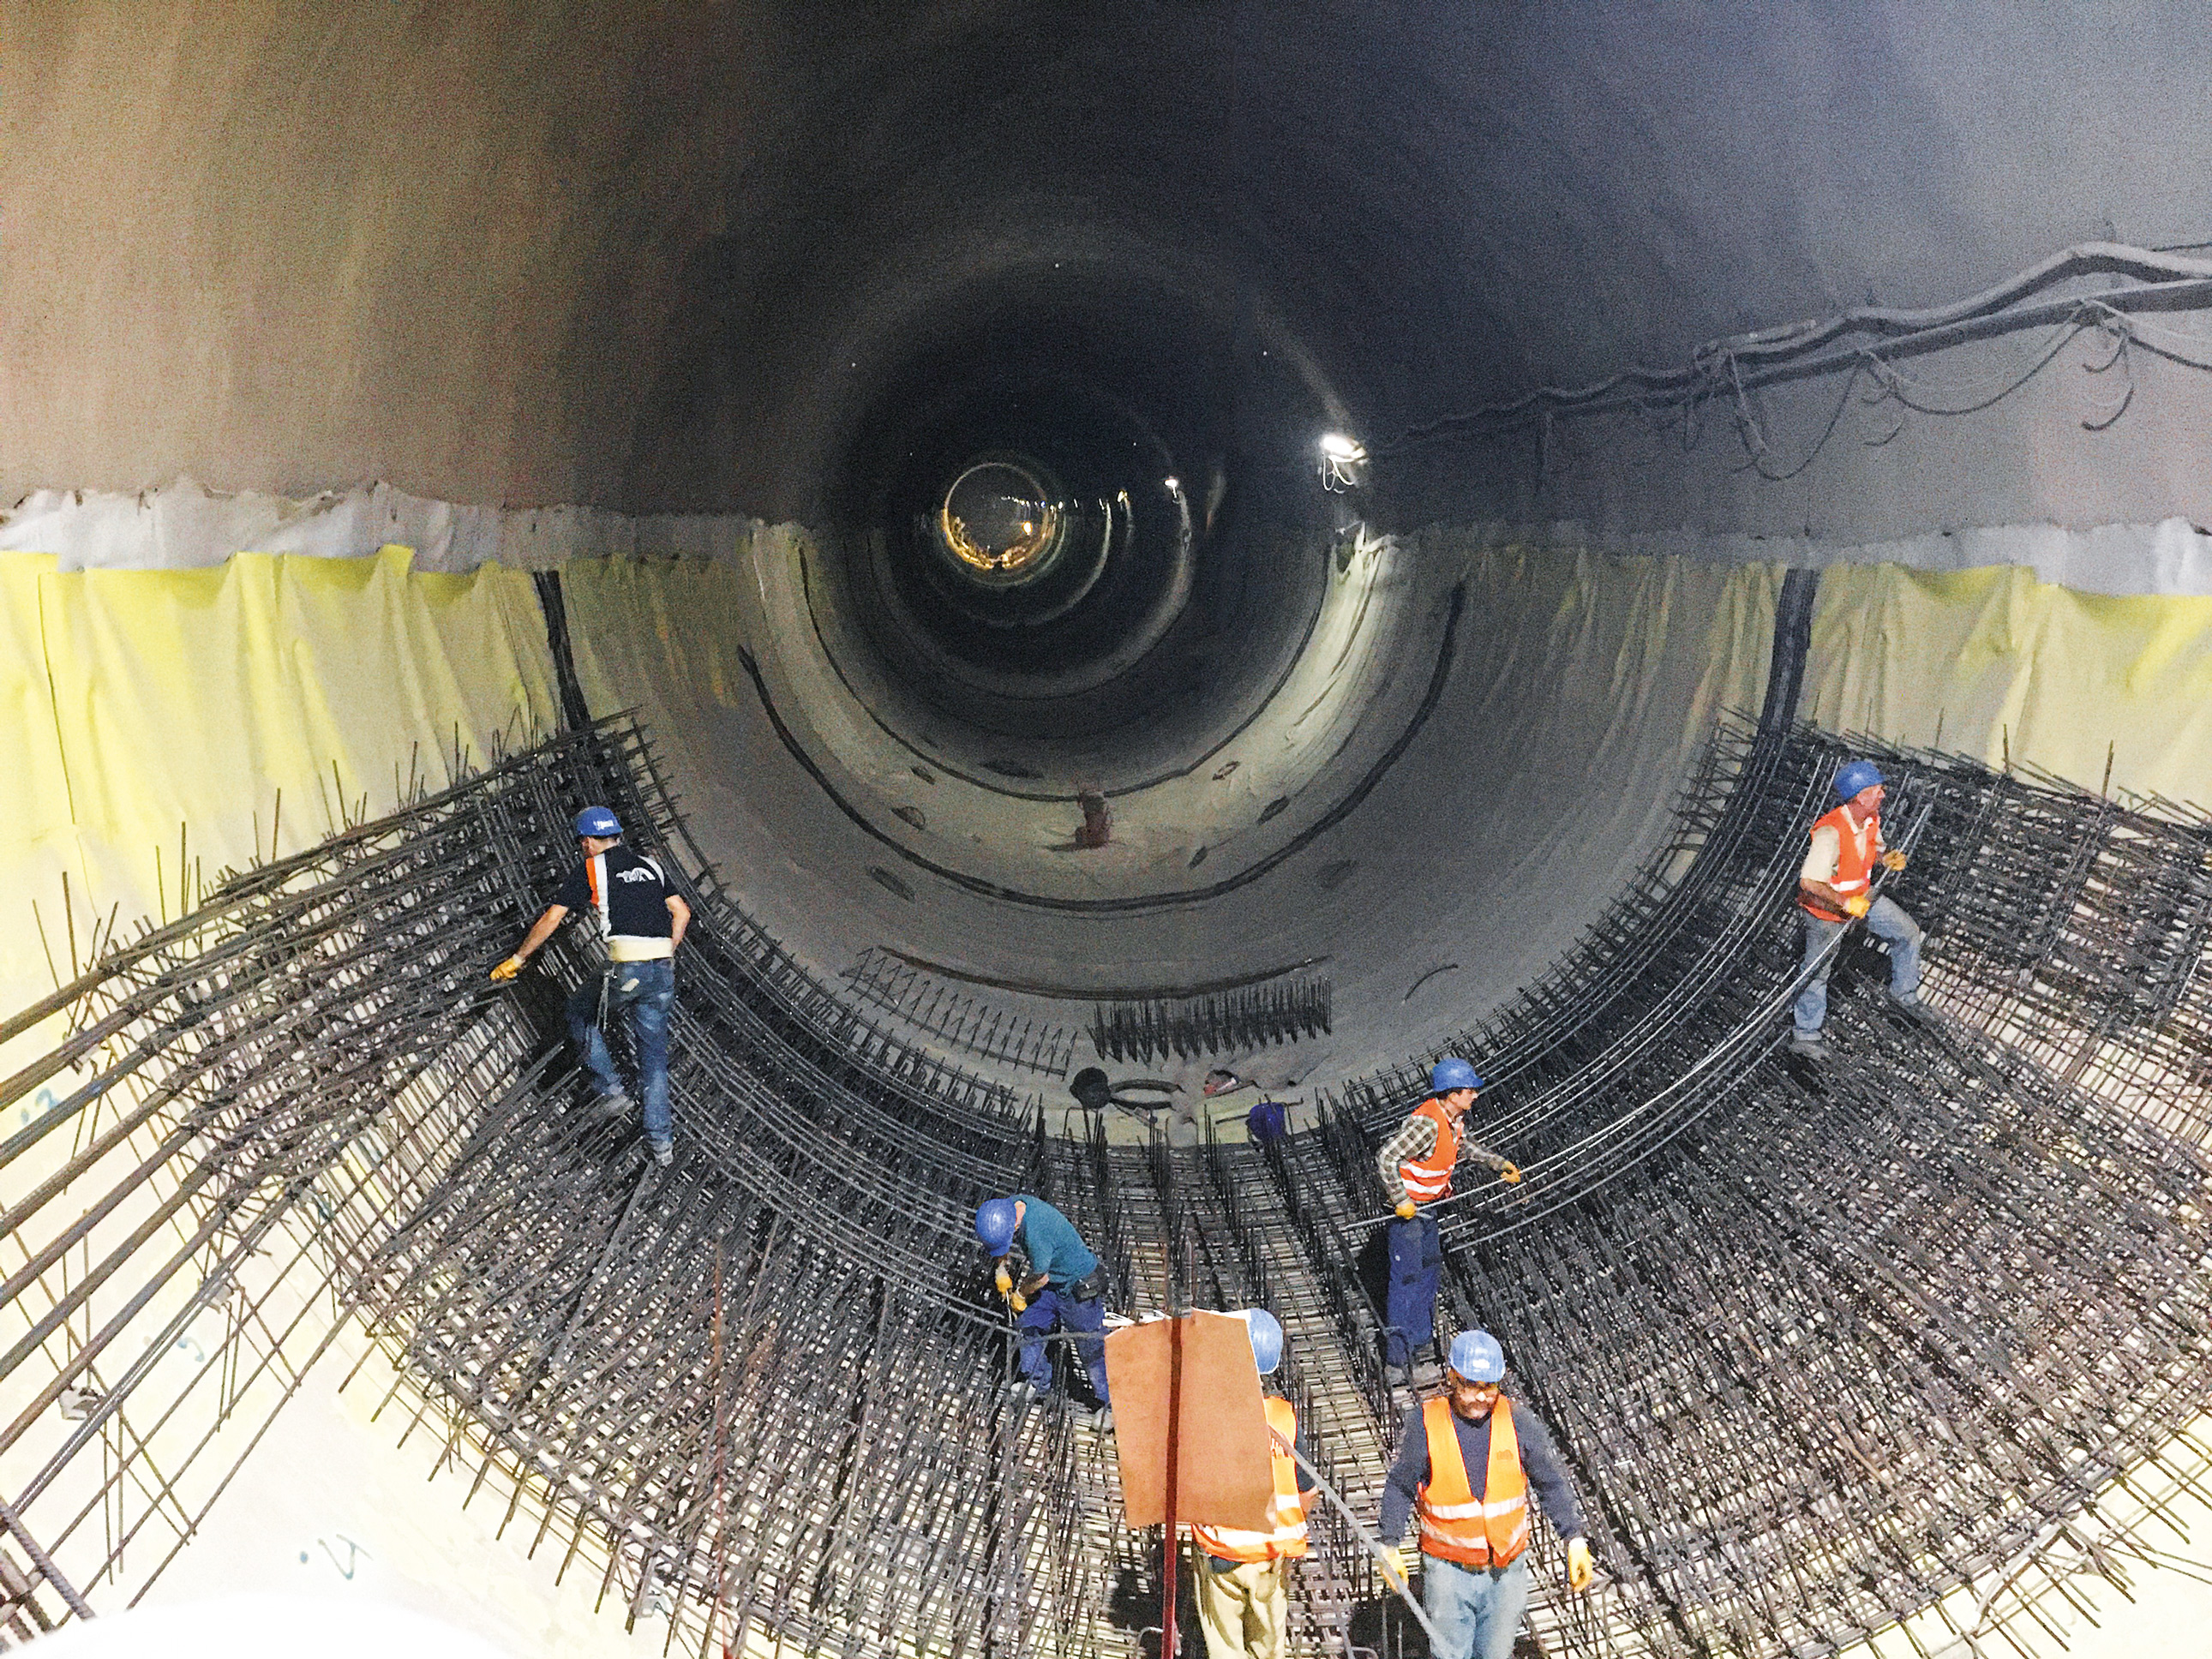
x: 1582, y: 1571
x: 1017, y: 1302
x: 1893, y: 860
x: 1509, y: 1176
x: 1397, y: 1565
x: 1406, y: 1210
x: 1857, y: 905
x: 506, y: 970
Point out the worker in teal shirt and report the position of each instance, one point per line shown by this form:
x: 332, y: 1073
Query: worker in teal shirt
x: 1049, y: 1278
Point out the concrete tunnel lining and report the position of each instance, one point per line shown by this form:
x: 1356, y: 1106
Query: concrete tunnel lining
x: 658, y: 272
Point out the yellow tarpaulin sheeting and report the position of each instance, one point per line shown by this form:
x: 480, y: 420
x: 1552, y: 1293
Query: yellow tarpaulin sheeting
x: 656, y: 635
x: 137, y: 702
x: 2002, y: 659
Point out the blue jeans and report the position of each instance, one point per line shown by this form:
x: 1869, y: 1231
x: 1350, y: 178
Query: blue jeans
x: 1416, y: 1264
x: 1885, y: 920
x: 1052, y: 1306
x: 647, y: 990
x: 1476, y: 1610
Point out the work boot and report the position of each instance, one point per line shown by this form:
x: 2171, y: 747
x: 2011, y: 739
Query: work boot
x: 615, y: 1106
x: 1022, y: 1392
x: 1395, y: 1375
x: 1913, y: 1008
x: 664, y: 1154
x: 1807, y: 1045
x: 1099, y: 1419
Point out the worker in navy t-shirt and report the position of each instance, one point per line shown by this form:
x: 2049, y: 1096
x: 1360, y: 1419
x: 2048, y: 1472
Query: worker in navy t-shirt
x: 642, y: 919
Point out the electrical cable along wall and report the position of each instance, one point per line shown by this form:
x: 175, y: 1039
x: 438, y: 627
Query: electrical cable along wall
x: 1823, y: 1344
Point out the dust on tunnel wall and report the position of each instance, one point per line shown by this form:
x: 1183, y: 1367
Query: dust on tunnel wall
x: 134, y: 703
x: 2003, y: 663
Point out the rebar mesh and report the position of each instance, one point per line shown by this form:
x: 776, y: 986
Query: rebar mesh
x: 1822, y: 1343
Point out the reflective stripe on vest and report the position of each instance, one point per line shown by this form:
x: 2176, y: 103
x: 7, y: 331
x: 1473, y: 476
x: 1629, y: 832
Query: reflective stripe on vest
x: 595, y: 878
x: 1857, y: 845
x: 1287, y: 1509
x: 1486, y: 1532
x: 1428, y: 1179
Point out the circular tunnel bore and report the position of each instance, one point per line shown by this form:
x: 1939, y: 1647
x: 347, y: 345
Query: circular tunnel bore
x: 1001, y: 524
x: 1076, y: 511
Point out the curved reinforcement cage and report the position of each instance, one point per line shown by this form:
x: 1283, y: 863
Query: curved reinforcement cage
x: 1821, y: 1345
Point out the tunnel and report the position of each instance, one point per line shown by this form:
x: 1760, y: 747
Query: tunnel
x: 1146, y: 574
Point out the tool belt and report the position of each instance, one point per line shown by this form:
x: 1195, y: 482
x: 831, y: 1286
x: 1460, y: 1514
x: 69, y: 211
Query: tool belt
x: 1090, y: 1287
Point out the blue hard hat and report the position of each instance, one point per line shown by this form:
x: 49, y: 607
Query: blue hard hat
x: 598, y: 822
x: 1267, y: 1334
x: 1476, y: 1356
x: 1855, y: 776
x: 1451, y: 1074
x: 994, y: 1224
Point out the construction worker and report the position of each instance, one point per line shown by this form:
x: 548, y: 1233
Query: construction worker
x: 642, y: 919
x: 1832, y: 890
x: 1050, y: 1277
x: 1243, y: 1598
x: 1465, y: 1462
x: 1416, y: 1165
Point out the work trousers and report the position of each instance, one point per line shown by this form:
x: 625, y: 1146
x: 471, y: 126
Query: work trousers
x: 1243, y: 1611
x: 1416, y: 1263
x: 1056, y: 1306
x: 646, y: 991
x: 1885, y: 920
x: 1476, y: 1610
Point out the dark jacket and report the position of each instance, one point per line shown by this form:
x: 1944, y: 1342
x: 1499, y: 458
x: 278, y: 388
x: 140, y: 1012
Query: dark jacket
x: 1539, y: 1459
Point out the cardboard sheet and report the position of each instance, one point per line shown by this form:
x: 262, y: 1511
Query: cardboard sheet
x: 1225, y: 1474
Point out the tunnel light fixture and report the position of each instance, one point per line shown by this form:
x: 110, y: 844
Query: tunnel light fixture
x: 1173, y: 485
x: 1341, y: 458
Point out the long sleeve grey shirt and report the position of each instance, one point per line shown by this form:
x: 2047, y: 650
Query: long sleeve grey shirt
x: 1540, y: 1459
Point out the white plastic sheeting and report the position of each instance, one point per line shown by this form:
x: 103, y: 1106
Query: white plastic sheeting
x: 258, y: 1627
x: 184, y: 526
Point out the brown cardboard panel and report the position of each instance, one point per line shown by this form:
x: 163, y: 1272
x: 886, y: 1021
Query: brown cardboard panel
x: 1224, y: 1477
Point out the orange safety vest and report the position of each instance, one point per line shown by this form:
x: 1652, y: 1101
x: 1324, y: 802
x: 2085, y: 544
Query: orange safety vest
x: 1858, y: 846
x: 1428, y: 1179
x: 1489, y: 1531
x: 1286, y: 1510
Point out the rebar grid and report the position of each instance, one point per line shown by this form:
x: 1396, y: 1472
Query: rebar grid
x: 1827, y: 1342
x: 1214, y: 1022
x: 931, y: 1003
x: 1823, y: 1346
x: 237, y: 1102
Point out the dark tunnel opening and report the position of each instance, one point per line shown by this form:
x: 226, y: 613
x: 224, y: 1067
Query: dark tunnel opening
x: 1173, y: 449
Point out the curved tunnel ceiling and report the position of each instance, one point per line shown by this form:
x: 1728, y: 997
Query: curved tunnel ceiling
x: 663, y: 258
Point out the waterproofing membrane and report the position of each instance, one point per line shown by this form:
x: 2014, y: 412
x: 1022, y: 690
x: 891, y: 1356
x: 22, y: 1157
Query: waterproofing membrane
x: 143, y: 709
